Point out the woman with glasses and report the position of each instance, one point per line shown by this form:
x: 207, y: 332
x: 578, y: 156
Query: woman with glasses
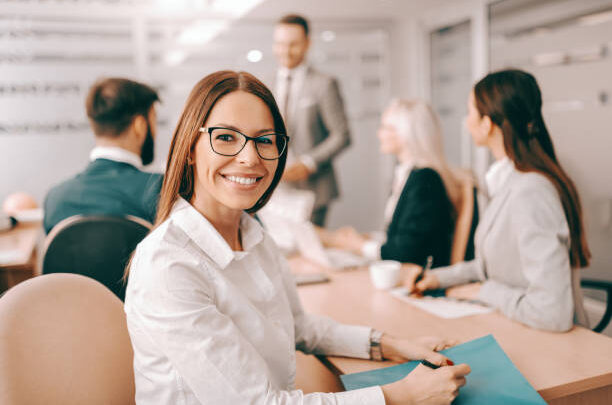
x: 212, y: 309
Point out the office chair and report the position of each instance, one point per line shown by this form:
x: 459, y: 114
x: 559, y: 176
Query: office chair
x: 467, y: 220
x: 95, y: 246
x: 607, y: 287
x: 64, y: 340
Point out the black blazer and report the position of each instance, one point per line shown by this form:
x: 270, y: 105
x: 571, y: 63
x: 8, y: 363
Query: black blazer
x: 423, y: 221
x: 105, y: 187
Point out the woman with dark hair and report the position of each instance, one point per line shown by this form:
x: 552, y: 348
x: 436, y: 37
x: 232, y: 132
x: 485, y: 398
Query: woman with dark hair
x: 530, y: 241
x: 212, y: 309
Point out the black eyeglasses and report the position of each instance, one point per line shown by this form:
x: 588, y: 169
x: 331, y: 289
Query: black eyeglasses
x: 229, y: 142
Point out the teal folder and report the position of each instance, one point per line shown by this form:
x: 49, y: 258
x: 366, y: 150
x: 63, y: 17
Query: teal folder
x: 493, y: 380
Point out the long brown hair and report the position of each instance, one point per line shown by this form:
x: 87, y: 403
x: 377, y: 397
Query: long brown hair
x: 512, y: 99
x: 179, y: 177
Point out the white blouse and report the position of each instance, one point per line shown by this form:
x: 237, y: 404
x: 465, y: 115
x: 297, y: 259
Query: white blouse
x: 213, y: 326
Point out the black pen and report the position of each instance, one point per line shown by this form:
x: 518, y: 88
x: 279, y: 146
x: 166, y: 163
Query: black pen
x: 430, y: 365
x: 427, y: 266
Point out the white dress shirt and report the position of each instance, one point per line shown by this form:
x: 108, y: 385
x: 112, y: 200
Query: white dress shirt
x: 214, y: 326
x: 371, y: 249
x: 117, y: 154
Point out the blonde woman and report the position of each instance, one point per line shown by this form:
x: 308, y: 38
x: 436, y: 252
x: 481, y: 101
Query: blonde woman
x: 420, y: 212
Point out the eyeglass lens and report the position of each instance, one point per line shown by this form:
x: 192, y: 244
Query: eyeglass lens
x: 229, y: 143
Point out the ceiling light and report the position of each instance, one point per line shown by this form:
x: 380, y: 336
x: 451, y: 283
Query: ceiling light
x: 596, y: 18
x: 254, y: 55
x: 201, y: 32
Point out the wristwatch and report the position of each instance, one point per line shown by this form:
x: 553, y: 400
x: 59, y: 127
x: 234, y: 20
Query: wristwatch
x: 375, y: 348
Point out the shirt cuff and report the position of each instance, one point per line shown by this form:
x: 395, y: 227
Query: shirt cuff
x: 349, y: 341
x: 371, y: 250
x: 363, y: 396
x: 309, y: 162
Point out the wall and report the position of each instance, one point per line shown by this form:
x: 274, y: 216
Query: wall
x: 53, y: 52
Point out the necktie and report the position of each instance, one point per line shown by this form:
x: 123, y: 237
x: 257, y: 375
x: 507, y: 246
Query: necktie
x: 285, y: 108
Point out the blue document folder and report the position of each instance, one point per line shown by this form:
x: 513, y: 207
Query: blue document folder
x: 493, y: 380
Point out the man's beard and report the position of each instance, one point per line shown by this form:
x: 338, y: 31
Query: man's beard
x: 147, y: 152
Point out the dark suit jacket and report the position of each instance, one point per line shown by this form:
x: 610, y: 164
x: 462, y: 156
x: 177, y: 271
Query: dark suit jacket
x: 423, y: 221
x: 106, y: 187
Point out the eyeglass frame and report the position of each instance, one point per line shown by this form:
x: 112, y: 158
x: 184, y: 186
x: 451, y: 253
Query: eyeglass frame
x: 248, y: 138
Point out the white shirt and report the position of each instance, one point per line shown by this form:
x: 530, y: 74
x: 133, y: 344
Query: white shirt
x: 117, y: 154
x: 213, y: 326
x: 371, y: 249
x: 497, y: 175
x: 298, y: 75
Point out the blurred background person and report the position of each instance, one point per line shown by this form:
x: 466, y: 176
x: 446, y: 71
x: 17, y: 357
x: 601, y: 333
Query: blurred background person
x: 122, y: 115
x: 18, y: 201
x: 534, y: 214
x: 420, y: 212
x: 313, y: 111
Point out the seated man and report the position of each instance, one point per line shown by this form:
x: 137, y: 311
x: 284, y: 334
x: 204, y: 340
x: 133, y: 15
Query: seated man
x: 123, y: 119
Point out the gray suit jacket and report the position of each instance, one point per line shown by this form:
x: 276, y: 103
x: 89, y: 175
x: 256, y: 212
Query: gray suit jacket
x: 318, y: 128
x: 522, y: 256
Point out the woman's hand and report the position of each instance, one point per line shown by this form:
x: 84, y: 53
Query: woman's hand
x: 428, y: 282
x: 465, y: 291
x: 426, y: 386
x: 425, y: 347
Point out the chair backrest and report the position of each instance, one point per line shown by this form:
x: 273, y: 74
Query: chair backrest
x: 467, y: 220
x: 64, y: 340
x: 95, y: 246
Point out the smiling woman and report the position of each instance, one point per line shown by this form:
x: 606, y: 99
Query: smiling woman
x: 212, y: 309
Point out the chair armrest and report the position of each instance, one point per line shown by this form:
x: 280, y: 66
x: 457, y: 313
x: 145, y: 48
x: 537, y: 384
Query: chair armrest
x: 607, y: 287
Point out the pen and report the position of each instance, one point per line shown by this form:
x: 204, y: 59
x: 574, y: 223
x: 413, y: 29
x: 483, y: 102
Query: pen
x: 435, y: 366
x: 430, y: 365
x: 427, y: 266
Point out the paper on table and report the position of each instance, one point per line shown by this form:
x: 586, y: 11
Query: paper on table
x: 494, y: 378
x: 443, y: 307
x: 10, y: 256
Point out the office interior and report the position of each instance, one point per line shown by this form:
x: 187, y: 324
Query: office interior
x: 52, y: 51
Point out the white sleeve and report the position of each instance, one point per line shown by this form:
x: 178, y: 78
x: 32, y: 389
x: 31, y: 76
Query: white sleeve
x: 206, y: 348
x: 322, y: 335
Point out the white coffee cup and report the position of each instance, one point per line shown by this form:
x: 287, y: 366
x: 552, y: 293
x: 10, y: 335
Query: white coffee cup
x: 385, y: 274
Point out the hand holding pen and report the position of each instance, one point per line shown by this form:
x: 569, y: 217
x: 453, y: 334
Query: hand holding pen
x: 423, y: 280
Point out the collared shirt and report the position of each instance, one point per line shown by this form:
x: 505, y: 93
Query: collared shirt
x: 298, y: 75
x: 497, y: 175
x: 210, y: 325
x: 117, y: 154
x: 371, y: 249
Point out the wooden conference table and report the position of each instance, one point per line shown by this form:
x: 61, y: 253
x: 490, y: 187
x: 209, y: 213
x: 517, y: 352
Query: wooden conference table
x: 565, y: 368
x: 18, y: 254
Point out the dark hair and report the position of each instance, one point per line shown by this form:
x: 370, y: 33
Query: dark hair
x: 512, y: 99
x: 179, y: 177
x: 113, y: 103
x: 295, y: 19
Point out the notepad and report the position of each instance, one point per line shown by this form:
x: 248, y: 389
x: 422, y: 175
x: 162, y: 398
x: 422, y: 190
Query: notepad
x: 444, y: 307
x: 494, y: 378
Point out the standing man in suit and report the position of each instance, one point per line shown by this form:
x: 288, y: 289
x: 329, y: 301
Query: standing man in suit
x: 122, y: 115
x: 314, y: 114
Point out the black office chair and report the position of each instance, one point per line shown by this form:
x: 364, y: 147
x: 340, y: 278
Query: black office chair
x: 94, y: 246
x: 607, y: 287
